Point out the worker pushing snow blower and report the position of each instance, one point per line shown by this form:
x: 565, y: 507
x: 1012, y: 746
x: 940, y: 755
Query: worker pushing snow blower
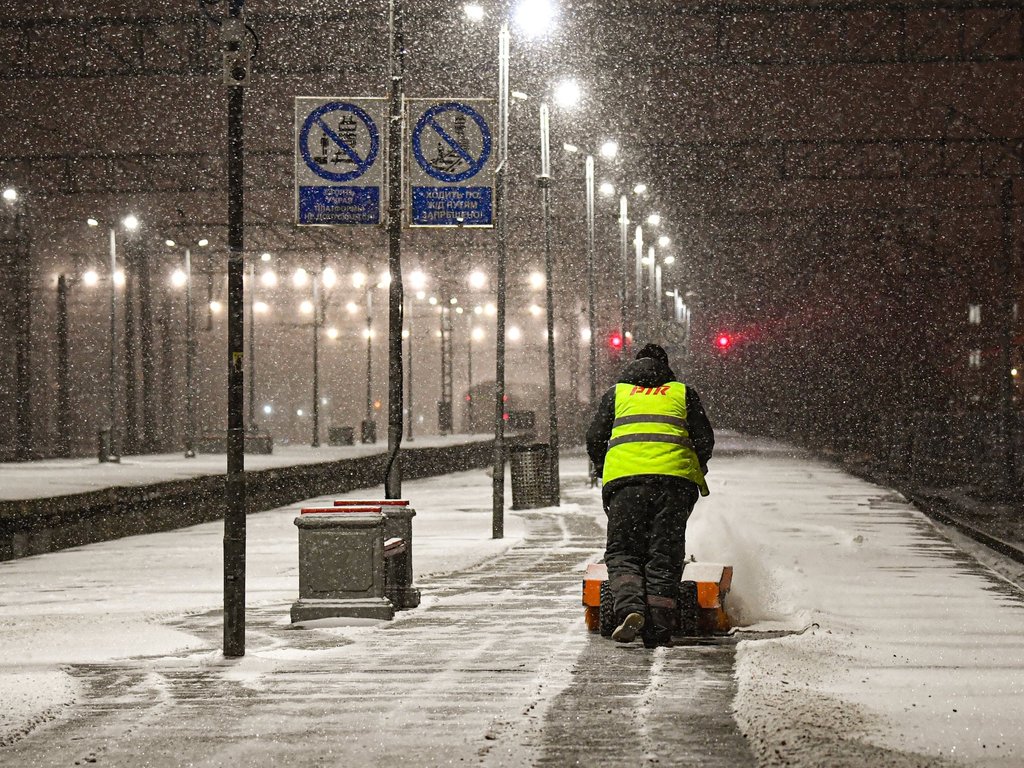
x: 651, y: 441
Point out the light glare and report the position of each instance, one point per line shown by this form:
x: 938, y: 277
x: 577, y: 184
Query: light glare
x: 567, y: 94
x: 607, y: 188
x: 610, y: 150
x: 473, y: 11
x: 535, y: 17
x: 179, y: 278
x: 90, y: 278
x: 417, y: 280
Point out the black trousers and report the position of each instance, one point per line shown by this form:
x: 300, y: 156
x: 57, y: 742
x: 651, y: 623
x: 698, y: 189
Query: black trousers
x: 646, y: 540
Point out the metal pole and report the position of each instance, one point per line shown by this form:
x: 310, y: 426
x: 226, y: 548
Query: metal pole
x: 591, y: 314
x: 444, y: 411
x: 235, y: 496
x: 253, y: 426
x: 657, y: 296
x: 623, y: 256
x: 115, y: 445
x: 316, y: 360
x: 544, y: 182
x: 638, y: 295
x: 369, y: 356
x: 409, y: 400
x: 190, y: 355
x: 650, y: 320
x: 63, y: 370
x: 501, y: 222
x: 469, y: 377
x: 1009, y: 284
x: 396, y: 299
x: 23, y: 339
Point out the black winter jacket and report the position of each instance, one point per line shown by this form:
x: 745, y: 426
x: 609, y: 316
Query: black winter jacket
x: 647, y: 372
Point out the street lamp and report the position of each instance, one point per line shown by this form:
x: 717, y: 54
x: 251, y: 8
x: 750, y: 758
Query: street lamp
x: 534, y: 17
x: 544, y: 183
x: 475, y: 334
x: 609, y: 151
x: 111, y: 452
x: 184, y: 278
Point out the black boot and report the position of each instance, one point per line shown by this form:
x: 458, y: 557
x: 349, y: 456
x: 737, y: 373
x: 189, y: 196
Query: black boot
x: 658, y: 631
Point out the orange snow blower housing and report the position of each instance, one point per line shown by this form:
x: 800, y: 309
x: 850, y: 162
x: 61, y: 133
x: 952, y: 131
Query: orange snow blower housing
x: 702, y: 594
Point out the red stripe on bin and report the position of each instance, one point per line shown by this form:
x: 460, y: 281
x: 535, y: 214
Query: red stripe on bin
x: 375, y: 503
x: 338, y: 510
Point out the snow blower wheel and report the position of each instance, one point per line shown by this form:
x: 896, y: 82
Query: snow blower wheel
x: 607, y: 610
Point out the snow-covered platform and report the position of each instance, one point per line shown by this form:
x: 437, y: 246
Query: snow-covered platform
x: 900, y: 648
x: 55, y: 504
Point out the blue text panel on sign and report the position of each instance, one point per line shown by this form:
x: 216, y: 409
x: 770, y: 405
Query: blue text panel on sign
x: 452, y: 206
x: 339, y: 205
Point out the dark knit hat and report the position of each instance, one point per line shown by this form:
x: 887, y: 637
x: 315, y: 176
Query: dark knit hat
x: 654, y: 352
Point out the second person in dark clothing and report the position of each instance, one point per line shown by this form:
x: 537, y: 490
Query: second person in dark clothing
x: 651, y: 441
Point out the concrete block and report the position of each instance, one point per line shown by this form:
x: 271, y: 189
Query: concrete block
x: 341, y: 567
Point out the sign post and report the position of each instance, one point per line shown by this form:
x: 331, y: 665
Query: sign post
x: 451, y: 171
x: 339, y: 171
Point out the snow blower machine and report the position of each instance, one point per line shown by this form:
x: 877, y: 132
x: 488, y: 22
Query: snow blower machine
x: 702, y: 594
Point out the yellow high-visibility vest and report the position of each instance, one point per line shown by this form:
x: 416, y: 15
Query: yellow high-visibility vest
x: 649, y: 435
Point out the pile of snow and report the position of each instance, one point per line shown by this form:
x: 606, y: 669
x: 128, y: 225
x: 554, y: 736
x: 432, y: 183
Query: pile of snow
x: 906, y: 652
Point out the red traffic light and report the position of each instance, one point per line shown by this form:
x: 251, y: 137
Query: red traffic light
x: 615, y: 341
x: 723, y: 341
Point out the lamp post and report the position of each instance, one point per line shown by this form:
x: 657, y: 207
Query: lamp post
x: 639, y: 298
x: 501, y: 223
x: 251, y: 373
x: 625, y: 323
x: 544, y: 183
x: 417, y: 281
x: 534, y: 17
x: 113, y: 454
x: 368, y: 433
x: 190, y: 351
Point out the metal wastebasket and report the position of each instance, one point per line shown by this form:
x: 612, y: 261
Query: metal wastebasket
x: 531, y: 476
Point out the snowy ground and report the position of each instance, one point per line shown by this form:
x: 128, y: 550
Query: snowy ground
x: 906, y: 643
x: 116, y: 599
x: 903, y: 651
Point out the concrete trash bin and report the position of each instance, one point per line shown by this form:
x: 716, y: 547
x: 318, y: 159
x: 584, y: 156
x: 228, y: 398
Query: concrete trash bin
x: 398, y: 581
x: 531, y: 476
x: 341, y: 567
x: 341, y: 435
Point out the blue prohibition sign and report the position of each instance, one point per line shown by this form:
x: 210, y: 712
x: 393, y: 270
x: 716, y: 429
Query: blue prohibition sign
x: 451, y: 151
x: 341, y: 141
